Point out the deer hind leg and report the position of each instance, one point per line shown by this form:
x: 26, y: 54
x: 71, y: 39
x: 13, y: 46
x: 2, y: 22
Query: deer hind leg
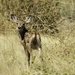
x: 40, y: 53
x: 39, y: 49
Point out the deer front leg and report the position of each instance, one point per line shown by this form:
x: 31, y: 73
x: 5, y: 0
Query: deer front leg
x: 28, y: 58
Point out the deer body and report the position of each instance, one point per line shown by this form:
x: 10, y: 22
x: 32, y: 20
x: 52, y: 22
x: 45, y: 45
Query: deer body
x: 31, y: 40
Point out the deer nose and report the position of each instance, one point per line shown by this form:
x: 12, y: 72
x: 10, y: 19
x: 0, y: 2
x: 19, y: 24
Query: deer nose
x: 19, y: 27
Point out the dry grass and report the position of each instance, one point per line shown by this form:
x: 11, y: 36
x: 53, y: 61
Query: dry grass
x: 58, y: 50
x: 58, y: 54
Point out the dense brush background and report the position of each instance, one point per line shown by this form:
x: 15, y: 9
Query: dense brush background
x: 57, y: 34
